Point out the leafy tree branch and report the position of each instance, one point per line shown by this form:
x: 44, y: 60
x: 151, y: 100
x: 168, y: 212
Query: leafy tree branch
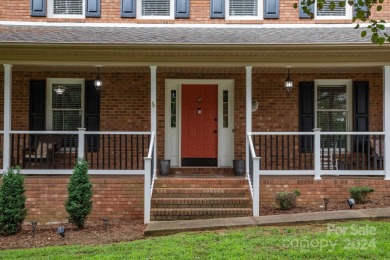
x: 362, y: 13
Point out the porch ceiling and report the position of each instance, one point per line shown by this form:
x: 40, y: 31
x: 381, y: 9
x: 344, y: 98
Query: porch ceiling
x: 225, y: 70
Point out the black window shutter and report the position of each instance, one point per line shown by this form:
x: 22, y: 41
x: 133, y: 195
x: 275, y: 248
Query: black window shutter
x: 128, y: 8
x: 38, y: 8
x: 271, y: 9
x: 217, y: 9
x: 92, y: 8
x: 303, y: 15
x: 182, y: 9
x: 37, y: 102
x: 360, y: 111
x: 306, y: 114
x: 92, y: 115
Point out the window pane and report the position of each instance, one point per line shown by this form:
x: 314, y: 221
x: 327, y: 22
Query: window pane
x: 331, y: 121
x: 337, y: 11
x: 334, y: 97
x: 68, y: 7
x: 243, y: 7
x: 173, y: 108
x: 155, y: 7
x: 68, y: 120
x: 225, y: 109
x: 70, y: 99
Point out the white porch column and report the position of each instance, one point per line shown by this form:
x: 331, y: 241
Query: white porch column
x: 317, y: 154
x: 7, y: 115
x: 153, y: 110
x: 80, y: 152
x: 386, y: 119
x: 248, y: 110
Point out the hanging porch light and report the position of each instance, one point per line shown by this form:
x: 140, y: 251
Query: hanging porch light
x: 98, y: 82
x: 288, y: 84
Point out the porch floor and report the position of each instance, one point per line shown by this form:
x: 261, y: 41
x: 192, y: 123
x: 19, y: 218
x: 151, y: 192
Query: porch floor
x: 201, y: 172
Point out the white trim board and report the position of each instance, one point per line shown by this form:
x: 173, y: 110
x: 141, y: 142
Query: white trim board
x: 133, y: 25
x: 172, y: 142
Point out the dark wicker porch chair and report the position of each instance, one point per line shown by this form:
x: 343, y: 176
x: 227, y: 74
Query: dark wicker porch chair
x: 42, y: 152
x: 377, y: 151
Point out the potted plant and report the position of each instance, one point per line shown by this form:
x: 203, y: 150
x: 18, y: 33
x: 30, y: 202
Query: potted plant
x: 239, y: 167
x: 164, y: 166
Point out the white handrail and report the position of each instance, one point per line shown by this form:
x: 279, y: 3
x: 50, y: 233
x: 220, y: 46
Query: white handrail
x: 148, y: 183
x: 251, y: 145
x: 151, y: 145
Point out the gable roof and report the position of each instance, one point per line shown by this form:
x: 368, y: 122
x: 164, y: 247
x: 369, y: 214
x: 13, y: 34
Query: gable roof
x: 169, y: 35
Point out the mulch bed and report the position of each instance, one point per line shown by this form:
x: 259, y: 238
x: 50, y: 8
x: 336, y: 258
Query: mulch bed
x: 93, y: 234
x: 332, y: 205
x: 120, y: 231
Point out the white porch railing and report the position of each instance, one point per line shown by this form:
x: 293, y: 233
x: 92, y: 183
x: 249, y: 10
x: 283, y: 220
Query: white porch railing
x: 313, y: 153
x: 55, y: 152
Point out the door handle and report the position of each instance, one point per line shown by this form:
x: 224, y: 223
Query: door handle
x: 215, y: 131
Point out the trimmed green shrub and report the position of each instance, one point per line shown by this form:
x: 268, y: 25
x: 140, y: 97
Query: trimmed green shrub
x: 360, y: 194
x: 79, y: 203
x: 287, y: 199
x: 12, y: 202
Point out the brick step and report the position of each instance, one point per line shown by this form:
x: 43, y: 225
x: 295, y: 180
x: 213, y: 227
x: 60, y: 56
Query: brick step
x: 203, y: 213
x: 200, y: 183
x: 200, y: 192
x: 201, y: 203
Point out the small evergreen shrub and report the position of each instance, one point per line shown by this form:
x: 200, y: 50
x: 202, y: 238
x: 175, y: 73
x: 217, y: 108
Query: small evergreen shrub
x: 287, y: 199
x: 79, y: 203
x: 12, y: 202
x: 360, y: 194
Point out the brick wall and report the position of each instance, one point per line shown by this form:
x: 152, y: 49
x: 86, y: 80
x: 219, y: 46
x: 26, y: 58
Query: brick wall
x: 115, y: 197
x: 121, y: 197
x: 19, y: 10
x: 125, y: 100
x: 334, y: 188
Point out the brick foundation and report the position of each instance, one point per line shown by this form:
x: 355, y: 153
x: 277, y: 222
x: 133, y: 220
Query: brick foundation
x: 334, y: 188
x: 115, y: 197
x: 121, y: 197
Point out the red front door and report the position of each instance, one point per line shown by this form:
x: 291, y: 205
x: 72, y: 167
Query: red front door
x: 199, y: 144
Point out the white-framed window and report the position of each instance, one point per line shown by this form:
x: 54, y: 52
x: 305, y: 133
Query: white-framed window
x: 244, y: 9
x: 333, y: 110
x: 65, y: 112
x: 155, y: 9
x: 338, y: 12
x: 333, y: 105
x: 66, y: 8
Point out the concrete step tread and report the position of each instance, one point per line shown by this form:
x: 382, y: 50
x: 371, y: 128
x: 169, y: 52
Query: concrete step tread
x: 171, y: 209
x: 197, y: 189
x: 185, y: 183
x: 200, y: 179
x: 206, y: 202
x: 200, y: 211
x: 202, y: 199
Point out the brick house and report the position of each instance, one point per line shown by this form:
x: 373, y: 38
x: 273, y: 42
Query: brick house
x: 200, y: 83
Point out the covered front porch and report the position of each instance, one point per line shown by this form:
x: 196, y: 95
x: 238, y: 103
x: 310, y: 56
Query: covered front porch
x: 136, y: 120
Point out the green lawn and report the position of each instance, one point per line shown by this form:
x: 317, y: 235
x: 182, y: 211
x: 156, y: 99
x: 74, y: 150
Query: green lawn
x: 348, y: 240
